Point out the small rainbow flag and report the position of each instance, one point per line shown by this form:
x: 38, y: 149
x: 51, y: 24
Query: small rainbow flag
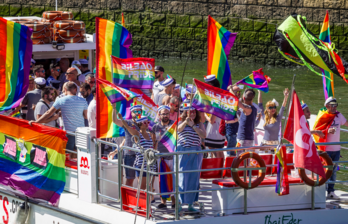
x: 170, y: 137
x: 115, y: 93
x: 15, y: 54
x: 328, y: 83
x: 220, y: 42
x: 166, y: 180
x: 112, y: 39
x: 123, y: 22
x: 282, y: 185
x: 17, y: 115
x: 256, y: 80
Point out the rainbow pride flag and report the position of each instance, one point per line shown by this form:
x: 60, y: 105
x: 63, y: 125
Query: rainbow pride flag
x: 17, y: 114
x: 170, y: 137
x: 166, y: 180
x: 112, y: 39
x: 115, y: 93
x: 15, y: 55
x: 220, y: 42
x: 256, y: 80
x: 328, y: 83
x: 32, y: 159
x: 282, y: 185
x: 136, y: 73
x: 213, y: 100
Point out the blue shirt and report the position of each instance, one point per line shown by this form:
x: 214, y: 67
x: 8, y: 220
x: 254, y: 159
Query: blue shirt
x: 247, y: 125
x: 72, y: 108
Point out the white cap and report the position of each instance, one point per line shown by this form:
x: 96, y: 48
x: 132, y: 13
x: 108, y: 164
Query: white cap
x: 167, y: 82
x: 75, y: 62
x: 209, y: 78
x: 40, y: 81
x: 77, y: 69
x: 163, y: 107
x: 83, y: 61
x: 33, y: 61
x: 241, y: 86
x: 177, y: 86
x: 329, y: 100
x: 189, y: 89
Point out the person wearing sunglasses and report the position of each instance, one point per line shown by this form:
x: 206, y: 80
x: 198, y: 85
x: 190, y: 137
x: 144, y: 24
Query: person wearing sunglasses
x: 90, y: 79
x: 157, y: 87
x: 174, y: 105
x: 333, y: 127
x: 55, y: 73
x: 272, y: 119
x: 145, y: 142
x: 45, y: 103
x: 158, y: 131
x: 39, y: 72
x: 128, y: 156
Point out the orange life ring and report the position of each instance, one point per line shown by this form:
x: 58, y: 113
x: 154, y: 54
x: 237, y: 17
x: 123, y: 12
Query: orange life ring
x: 326, y: 160
x: 69, y: 25
x: 70, y: 33
x: 71, y: 40
x: 57, y: 15
x: 38, y: 35
x: 38, y: 26
x: 45, y: 40
x: 235, y: 165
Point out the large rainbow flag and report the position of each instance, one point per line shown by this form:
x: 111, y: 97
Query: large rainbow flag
x: 213, y: 100
x: 112, y: 39
x: 322, y: 123
x: 328, y: 83
x: 32, y: 158
x: 170, y: 137
x: 15, y: 54
x: 256, y: 80
x: 115, y: 93
x: 220, y: 42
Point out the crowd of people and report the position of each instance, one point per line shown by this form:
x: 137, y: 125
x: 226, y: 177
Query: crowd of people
x: 66, y: 99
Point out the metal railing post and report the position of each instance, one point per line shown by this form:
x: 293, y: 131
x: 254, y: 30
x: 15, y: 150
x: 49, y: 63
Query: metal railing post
x: 120, y: 154
x: 176, y: 166
x: 148, y: 205
x: 97, y: 168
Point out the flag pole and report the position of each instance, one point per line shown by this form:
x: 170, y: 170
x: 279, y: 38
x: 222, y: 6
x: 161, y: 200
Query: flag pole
x: 288, y: 104
x: 193, y: 84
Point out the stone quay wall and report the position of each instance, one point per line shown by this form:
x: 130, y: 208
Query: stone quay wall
x: 165, y: 28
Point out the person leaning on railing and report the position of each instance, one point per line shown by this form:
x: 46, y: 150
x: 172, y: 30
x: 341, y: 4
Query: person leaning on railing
x: 190, y: 132
x: 272, y: 119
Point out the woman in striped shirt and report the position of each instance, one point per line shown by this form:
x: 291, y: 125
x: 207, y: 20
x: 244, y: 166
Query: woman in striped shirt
x: 145, y: 142
x: 190, y: 132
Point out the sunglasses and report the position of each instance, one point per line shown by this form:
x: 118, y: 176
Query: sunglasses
x: 270, y: 108
x: 42, y: 71
x: 137, y: 112
x: 69, y: 73
x: 167, y: 114
x: 92, y: 82
x: 174, y: 105
x: 156, y: 72
x: 146, y: 122
x: 31, y: 66
x: 333, y: 105
x: 58, y: 70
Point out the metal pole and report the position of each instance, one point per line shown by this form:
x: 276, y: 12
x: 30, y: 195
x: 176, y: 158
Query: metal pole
x: 288, y: 110
x: 245, y: 201
x: 148, y: 205
x: 313, y: 197
x: 97, y: 167
x: 56, y: 5
x: 176, y: 166
x: 119, y: 152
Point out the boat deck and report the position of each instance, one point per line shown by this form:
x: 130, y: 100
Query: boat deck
x: 110, y: 212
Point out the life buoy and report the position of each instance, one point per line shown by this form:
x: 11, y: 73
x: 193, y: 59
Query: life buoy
x: 71, y: 40
x: 235, y: 165
x: 23, y: 21
x: 38, y: 26
x: 69, y: 25
x: 45, y: 40
x: 70, y: 33
x: 57, y: 15
x: 38, y: 35
x: 326, y: 160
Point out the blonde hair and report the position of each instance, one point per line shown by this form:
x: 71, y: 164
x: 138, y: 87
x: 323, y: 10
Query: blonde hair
x: 268, y: 118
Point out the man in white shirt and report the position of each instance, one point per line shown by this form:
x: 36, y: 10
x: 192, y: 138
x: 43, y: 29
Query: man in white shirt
x: 92, y: 110
x: 334, y: 136
x: 157, y: 87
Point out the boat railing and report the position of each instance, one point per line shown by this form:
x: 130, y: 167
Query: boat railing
x: 70, y: 171
x: 176, y: 173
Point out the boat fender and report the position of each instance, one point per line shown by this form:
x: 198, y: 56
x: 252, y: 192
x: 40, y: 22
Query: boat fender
x: 235, y: 165
x: 57, y: 15
x: 22, y: 214
x: 326, y: 160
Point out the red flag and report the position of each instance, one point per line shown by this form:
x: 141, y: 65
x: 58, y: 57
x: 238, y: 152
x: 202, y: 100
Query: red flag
x: 298, y: 133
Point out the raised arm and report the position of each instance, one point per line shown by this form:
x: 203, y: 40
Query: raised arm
x: 286, y: 95
x: 45, y: 116
x: 131, y: 131
x: 246, y: 108
x: 210, y: 119
x: 117, y: 121
x: 259, y: 97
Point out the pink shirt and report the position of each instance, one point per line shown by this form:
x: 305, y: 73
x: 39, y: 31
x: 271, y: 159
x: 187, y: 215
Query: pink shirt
x: 338, y: 121
x: 173, y: 116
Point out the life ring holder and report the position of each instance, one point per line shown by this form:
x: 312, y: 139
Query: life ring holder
x: 235, y: 168
x: 328, y: 172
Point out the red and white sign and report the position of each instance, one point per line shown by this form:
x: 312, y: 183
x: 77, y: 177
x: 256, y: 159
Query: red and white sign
x: 298, y: 133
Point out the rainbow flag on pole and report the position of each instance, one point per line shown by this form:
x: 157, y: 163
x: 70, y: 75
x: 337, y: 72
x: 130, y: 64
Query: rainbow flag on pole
x: 256, y: 80
x: 15, y: 54
x: 112, y: 39
x: 220, y: 42
x: 282, y: 185
x: 115, y: 93
x: 32, y: 159
x: 170, y: 137
x: 213, y: 100
x: 328, y: 83
x: 166, y: 180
